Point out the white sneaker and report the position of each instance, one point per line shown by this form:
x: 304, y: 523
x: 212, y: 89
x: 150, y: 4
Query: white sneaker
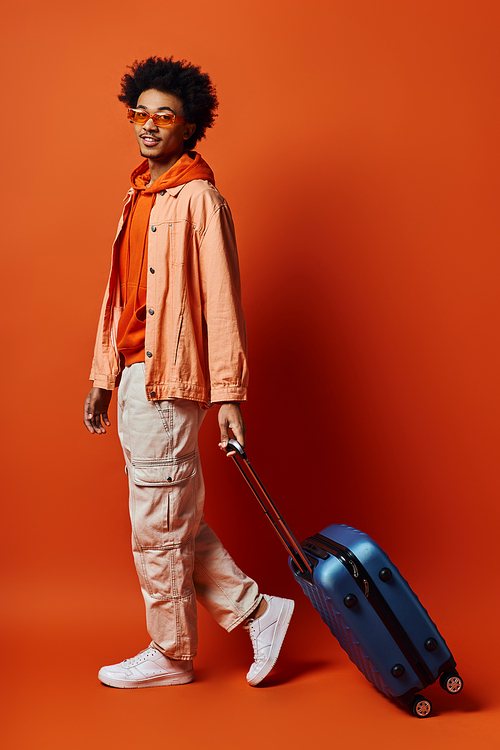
x: 267, y: 634
x: 150, y: 668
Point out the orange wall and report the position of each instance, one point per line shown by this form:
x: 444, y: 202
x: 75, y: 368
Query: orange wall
x: 357, y: 144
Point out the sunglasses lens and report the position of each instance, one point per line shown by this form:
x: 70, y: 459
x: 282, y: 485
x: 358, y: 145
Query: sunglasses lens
x: 163, y: 121
x: 136, y: 116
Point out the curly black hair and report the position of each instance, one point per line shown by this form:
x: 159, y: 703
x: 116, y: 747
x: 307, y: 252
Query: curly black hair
x: 177, y: 77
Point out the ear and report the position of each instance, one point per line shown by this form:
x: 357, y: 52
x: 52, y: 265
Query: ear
x: 188, y: 132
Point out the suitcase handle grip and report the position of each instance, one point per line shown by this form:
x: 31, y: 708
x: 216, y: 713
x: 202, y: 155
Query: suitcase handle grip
x: 274, y: 517
x: 234, y: 445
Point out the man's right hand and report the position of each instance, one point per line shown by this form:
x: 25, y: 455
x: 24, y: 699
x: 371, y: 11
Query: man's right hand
x: 96, y: 406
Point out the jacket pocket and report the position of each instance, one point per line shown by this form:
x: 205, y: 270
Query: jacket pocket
x: 178, y: 339
x: 180, y: 240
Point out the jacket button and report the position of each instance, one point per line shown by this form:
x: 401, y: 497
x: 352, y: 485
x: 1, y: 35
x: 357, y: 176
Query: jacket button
x: 152, y: 394
x: 153, y: 229
x: 148, y: 354
x: 151, y: 312
x: 169, y: 479
x: 151, y: 270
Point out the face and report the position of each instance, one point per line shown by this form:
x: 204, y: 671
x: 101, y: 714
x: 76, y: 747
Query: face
x: 162, y: 146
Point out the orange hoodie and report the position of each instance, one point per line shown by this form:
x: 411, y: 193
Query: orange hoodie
x: 133, y: 247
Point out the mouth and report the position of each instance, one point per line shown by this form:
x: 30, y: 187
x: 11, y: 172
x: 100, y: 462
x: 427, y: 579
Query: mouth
x: 149, y: 140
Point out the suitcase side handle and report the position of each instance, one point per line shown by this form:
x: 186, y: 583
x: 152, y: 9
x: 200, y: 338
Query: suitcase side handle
x: 270, y: 510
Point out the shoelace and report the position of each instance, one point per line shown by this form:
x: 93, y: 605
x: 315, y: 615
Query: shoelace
x: 258, y: 654
x: 134, y: 660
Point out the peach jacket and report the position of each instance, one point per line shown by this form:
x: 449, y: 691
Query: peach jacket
x: 195, y: 339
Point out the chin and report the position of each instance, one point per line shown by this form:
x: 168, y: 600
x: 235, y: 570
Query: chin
x: 145, y: 152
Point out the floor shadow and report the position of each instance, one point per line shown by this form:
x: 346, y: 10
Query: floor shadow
x: 443, y: 703
x: 285, y: 672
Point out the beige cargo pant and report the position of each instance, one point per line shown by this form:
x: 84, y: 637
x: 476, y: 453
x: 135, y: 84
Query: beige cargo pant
x: 178, y: 557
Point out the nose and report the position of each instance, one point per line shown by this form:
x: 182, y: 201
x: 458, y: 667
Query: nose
x: 150, y: 125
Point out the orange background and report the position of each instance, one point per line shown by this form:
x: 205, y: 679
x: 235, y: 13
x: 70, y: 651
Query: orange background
x: 357, y: 144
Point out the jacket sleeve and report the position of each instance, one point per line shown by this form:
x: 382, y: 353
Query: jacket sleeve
x: 222, y: 310
x: 105, y: 363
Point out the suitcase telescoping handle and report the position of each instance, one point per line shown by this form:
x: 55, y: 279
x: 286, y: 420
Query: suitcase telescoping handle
x: 269, y: 508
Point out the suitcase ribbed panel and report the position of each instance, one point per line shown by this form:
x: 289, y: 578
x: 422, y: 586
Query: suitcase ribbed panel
x: 398, y: 595
x: 342, y: 632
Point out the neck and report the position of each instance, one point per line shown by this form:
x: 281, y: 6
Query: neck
x: 157, y: 168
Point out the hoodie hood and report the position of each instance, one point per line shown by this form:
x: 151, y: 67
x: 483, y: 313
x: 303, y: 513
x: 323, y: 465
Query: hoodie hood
x: 189, y: 167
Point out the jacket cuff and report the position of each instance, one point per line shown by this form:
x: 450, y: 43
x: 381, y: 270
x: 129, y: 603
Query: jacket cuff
x: 238, y: 393
x: 103, y: 381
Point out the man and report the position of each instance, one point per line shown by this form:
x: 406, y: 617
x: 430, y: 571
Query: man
x: 172, y: 337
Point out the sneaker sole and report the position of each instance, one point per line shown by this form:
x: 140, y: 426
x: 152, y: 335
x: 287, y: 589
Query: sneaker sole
x: 283, y: 622
x: 183, y: 678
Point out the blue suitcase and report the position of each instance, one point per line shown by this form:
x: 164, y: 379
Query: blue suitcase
x: 367, y: 604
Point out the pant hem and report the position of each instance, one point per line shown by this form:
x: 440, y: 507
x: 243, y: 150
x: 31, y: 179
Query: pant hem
x: 170, y: 656
x: 246, y: 615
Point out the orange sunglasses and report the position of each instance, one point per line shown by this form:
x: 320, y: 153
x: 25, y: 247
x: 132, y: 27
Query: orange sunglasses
x: 160, y: 119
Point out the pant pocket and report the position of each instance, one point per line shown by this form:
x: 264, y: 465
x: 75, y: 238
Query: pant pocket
x: 162, y: 495
x: 163, y: 472
x: 168, y: 573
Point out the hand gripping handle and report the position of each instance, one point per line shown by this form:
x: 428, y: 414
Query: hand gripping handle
x: 271, y: 511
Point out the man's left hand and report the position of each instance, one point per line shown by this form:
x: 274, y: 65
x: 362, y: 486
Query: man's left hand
x: 230, y: 418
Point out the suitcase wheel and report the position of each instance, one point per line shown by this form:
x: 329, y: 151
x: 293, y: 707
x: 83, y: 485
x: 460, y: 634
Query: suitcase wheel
x: 421, y: 707
x: 451, y: 682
